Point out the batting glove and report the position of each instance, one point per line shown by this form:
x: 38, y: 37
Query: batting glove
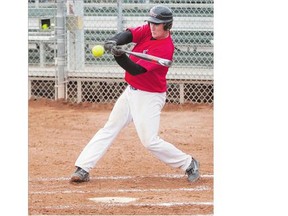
x: 108, y: 45
x: 117, y: 51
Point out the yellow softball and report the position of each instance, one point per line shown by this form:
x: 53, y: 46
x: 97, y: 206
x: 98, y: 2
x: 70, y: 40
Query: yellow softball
x: 45, y: 26
x: 98, y: 50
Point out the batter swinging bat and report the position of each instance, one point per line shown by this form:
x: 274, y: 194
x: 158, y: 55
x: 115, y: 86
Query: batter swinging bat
x: 151, y: 58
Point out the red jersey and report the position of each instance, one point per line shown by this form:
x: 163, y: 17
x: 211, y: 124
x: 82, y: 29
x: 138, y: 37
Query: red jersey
x: 154, y: 80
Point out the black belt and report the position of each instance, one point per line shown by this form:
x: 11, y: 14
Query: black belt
x: 131, y: 87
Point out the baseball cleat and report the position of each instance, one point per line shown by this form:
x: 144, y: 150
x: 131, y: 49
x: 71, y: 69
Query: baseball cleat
x: 193, y: 171
x: 80, y: 175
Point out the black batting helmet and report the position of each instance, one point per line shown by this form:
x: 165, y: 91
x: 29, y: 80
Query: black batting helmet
x: 161, y: 14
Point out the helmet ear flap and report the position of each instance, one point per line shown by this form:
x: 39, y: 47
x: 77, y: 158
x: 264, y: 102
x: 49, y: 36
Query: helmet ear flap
x: 167, y: 26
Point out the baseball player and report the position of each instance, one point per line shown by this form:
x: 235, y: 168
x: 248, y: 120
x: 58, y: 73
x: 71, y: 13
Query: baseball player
x: 142, y: 100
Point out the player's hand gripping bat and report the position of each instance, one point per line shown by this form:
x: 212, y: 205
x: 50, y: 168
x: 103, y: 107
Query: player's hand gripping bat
x: 147, y: 57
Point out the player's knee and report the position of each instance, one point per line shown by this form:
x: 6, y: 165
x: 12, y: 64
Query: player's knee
x: 150, y: 143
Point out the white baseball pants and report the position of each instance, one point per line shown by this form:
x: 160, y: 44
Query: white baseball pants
x: 144, y: 109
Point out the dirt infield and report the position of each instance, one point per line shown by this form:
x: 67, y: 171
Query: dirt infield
x: 58, y: 131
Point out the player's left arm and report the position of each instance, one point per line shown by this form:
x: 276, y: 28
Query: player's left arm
x: 127, y: 64
x: 121, y: 58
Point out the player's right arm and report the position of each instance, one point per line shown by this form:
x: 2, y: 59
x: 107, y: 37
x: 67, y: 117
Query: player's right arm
x: 118, y: 39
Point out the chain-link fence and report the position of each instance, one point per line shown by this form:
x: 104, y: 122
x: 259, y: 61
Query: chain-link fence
x: 62, y: 33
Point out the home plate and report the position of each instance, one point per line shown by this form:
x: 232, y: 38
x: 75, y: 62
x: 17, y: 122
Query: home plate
x: 113, y: 199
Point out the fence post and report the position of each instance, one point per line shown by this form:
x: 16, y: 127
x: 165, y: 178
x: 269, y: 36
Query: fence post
x: 60, y: 60
x: 75, y: 35
x: 119, y: 16
x: 79, y: 91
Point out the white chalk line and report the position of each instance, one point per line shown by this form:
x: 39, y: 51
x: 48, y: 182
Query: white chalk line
x: 171, y: 176
x: 198, y: 188
x: 163, y: 204
x: 142, y: 204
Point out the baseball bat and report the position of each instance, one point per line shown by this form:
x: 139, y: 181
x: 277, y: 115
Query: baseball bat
x: 150, y: 58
